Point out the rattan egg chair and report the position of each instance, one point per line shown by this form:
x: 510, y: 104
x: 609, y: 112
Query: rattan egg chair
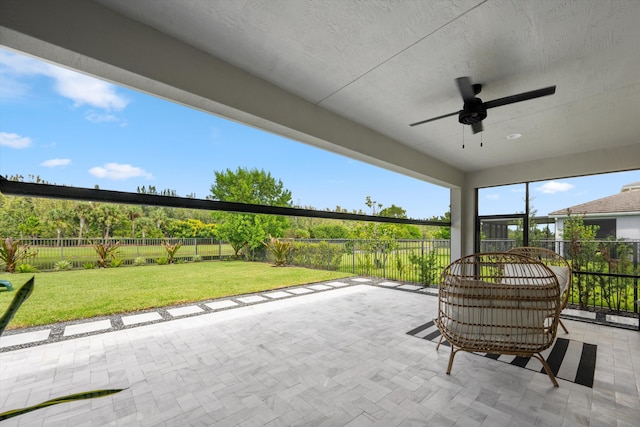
x: 499, y: 303
x: 558, y: 265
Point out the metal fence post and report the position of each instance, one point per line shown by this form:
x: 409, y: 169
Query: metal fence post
x: 353, y: 257
x: 636, y: 302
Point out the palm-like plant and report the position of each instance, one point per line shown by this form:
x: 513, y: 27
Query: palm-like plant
x: 107, y: 252
x: 11, y: 252
x: 171, y: 250
x: 280, y: 249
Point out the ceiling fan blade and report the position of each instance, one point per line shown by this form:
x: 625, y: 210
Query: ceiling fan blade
x: 520, y: 97
x: 465, y: 88
x: 434, y: 118
x: 477, y: 127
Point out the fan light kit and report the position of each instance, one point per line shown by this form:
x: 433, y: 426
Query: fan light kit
x: 514, y: 136
x: 474, y: 111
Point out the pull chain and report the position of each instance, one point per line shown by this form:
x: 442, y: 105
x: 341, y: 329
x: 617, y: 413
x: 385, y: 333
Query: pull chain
x: 463, y: 137
x: 480, y: 139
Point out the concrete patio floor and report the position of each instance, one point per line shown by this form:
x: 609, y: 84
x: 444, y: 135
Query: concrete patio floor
x: 337, y: 357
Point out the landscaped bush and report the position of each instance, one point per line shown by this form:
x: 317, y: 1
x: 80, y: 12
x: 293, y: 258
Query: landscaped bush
x: 427, y: 266
x: 280, y: 249
x: 162, y: 261
x: 106, y: 251
x: 62, y: 265
x: 88, y: 266
x: 26, y: 268
x: 171, y: 250
x: 115, y: 263
x: 139, y: 261
x: 12, y: 252
x: 316, y: 255
x: 196, y: 258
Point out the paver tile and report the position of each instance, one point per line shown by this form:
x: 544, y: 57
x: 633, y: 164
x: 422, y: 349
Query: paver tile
x: 252, y: 299
x: 390, y: 284
x: 579, y: 313
x: 300, y: 291
x: 337, y: 284
x: 216, y: 305
x: 83, y: 328
x: 622, y: 320
x: 24, y: 338
x: 410, y: 287
x: 277, y: 294
x: 136, y: 319
x: 319, y: 287
x: 185, y: 311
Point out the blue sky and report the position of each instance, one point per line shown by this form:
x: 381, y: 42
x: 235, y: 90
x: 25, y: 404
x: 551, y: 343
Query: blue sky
x: 72, y: 129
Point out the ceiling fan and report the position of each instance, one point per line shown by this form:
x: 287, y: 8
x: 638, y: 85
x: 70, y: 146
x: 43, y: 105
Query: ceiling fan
x: 474, y: 110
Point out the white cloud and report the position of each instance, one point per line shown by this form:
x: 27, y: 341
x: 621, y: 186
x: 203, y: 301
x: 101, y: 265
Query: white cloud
x: 553, y: 187
x: 493, y: 196
x: 52, y: 163
x: 80, y: 88
x: 119, y: 171
x: 14, y: 140
x: 94, y: 117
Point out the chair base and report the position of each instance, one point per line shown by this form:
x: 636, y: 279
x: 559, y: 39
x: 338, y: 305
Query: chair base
x: 538, y: 356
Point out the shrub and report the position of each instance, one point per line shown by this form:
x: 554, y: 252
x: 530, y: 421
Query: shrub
x: 140, y: 261
x: 171, y: 250
x: 316, y: 255
x: 427, y: 267
x: 26, y: 268
x: 196, y: 258
x: 11, y: 252
x: 365, y: 264
x: 162, y: 261
x: 62, y: 265
x: 88, y: 266
x: 106, y: 251
x: 115, y: 263
x: 280, y: 249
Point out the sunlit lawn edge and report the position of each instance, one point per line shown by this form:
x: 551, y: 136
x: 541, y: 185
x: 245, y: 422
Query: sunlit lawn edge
x: 79, y: 294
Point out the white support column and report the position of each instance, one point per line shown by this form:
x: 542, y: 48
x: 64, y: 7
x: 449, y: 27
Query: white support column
x: 462, y: 221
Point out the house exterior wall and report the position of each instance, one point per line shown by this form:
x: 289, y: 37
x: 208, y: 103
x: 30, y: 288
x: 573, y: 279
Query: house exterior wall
x: 628, y: 227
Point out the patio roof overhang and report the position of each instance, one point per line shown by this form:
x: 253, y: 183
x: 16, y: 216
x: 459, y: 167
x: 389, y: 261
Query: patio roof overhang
x: 350, y: 77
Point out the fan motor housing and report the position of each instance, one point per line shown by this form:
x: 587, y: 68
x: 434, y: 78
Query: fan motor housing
x: 473, y: 112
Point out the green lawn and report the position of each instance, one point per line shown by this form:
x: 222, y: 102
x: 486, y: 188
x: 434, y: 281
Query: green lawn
x: 78, y: 294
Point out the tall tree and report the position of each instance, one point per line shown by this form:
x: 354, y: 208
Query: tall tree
x: 133, y: 213
x: 59, y: 217
x: 250, y: 186
x: 107, y: 216
x: 82, y: 211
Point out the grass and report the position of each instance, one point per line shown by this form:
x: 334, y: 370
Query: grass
x: 79, y: 294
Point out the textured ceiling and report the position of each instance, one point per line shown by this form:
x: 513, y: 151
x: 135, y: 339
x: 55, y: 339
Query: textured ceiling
x: 385, y: 64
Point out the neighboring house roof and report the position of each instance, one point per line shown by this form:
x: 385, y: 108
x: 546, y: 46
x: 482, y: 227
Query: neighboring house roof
x: 632, y: 186
x: 628, y: 201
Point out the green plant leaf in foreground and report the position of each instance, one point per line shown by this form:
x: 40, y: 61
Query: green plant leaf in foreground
x: 70, y: 398
x: 21, y: 296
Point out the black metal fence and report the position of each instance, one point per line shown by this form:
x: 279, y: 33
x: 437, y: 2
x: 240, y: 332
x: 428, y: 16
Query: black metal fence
x: 417, y: 261
x: 50, y: 254
x: 606, y: 273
